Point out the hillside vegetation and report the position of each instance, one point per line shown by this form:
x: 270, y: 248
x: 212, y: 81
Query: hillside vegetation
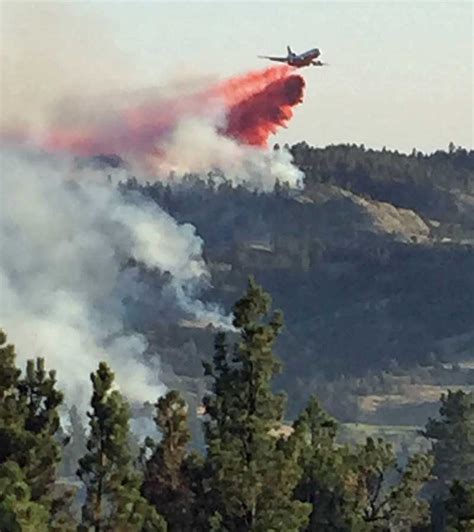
x: 371, y: 261
x: 253, y: 473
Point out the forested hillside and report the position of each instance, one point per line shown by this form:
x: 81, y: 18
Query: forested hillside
x: 371, y: 261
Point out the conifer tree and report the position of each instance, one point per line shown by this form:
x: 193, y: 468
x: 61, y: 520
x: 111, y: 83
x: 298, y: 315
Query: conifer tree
x: 459, y: 507
x: 18, y: 513
x: 113, y: 499
x: 252, y: 475
x: 40, y: 400
x: 324, y: 467
x: 9, y: 373
x: 167, y: 484
x: 380, y: 496
x: 397, y: 505
x: 453, y: 439
x: 29, y: 419
x: 29, y: 452
x: 356, y: 489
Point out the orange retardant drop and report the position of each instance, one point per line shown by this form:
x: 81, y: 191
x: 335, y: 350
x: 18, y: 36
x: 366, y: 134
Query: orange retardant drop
x: 255, y: 105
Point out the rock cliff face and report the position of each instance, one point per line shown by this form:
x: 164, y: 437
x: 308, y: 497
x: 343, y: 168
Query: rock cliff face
x: 403, y: 224
x: 354, y: 213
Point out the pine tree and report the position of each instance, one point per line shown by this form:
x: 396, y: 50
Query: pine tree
x: 29, y: 451
x: 167, y: 484
x: 402, y: 507
x: 459, y: 507
x: 12, y: 414
x: 380, y: 494
x: 18, y: 513
x: 113, y: 499
x: 9, y: 373
x: 40, y: 400
x: 324, y: 467
x: 353, y: 489
x: 252, y: 475
x: 453, y: 440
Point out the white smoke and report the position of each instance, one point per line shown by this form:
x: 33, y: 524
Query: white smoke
x: 65, y: 237
x: 196, y: 146
x: 192, y: 143
x: 50, y: 53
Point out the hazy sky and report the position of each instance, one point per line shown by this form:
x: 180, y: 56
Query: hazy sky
x: 400, y: 74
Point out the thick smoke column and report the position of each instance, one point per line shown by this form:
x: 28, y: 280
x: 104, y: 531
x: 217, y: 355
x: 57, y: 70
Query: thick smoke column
x: 226, y: 124
x: 67, y: 238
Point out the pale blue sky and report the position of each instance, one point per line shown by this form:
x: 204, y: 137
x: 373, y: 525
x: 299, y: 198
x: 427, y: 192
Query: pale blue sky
x: 400, y: 74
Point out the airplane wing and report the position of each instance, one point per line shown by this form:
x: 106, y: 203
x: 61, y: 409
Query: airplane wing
x: 280, y: 59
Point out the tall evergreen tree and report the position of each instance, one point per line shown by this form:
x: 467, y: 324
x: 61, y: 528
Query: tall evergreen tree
x: 113, y: 499
x: 40, y: 399
x: 29, y: 451
x: 324, y: 467
x: 387, y: 497
x: 453, y: 439
x: 167, y: 484
x: 251, y: 475
x: 357, y: 489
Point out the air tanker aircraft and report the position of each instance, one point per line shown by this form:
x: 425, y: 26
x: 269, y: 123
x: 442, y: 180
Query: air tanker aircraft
x: 298, y: 60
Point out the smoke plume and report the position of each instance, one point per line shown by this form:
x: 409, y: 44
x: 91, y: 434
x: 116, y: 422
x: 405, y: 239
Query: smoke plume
x: 74, y: 248
x: 223, y: 126
x: 67, y: 237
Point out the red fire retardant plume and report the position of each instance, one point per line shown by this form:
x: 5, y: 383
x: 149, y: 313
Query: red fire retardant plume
x: 254, y: 119
x: 256, y: 104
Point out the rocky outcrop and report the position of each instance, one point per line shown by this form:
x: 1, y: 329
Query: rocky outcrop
x: 349, y: 212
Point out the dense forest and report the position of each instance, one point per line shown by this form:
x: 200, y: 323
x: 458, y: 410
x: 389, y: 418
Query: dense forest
x: 371, y: 260
x: 255, y: 473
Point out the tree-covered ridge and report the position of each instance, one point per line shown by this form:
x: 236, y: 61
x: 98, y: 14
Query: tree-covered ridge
x: 373, y: 269
x: 431, y: 184
x: 349, y: 165
x: 253, y: 476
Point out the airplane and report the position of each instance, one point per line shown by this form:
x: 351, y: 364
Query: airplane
x: 298, y: 60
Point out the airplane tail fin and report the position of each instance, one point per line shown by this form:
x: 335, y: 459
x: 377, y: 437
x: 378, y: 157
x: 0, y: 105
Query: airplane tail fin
x: 290, y: 51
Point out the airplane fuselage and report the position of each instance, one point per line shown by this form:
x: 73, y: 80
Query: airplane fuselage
x: 304, y: 59
x: 298, y: 60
